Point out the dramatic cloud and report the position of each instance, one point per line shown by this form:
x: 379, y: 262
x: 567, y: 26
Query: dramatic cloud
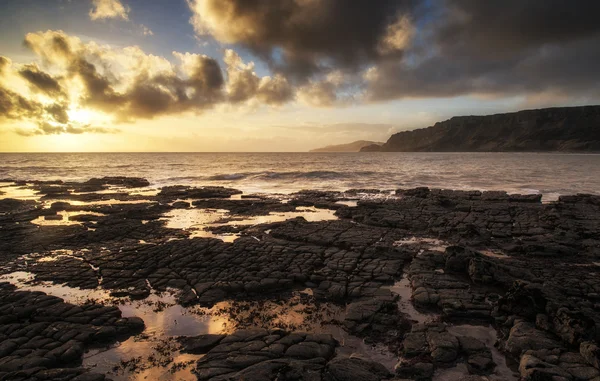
x: 45, y: 128
x: 393, y: 49
x: 50, y: 113
x: 41, y: 81
x: 109, y: 9
x: 126, y: 84
x: 16, y: 107
x: 310, y: 35
x: 243, y: 84
x: 334, y: 89
x: 497, y: 48
x: 323, y: 53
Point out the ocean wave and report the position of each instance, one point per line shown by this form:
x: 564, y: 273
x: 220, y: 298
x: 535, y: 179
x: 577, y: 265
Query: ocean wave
x: 293, y: 175
x: 225, y: 177
x: 171, y: 180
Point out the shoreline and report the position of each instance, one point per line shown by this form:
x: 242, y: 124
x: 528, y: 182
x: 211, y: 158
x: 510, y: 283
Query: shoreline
x: 356, y: 270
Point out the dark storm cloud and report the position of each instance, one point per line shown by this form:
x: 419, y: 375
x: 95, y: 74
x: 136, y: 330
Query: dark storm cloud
x: 310, y: 34
x: 41, y: 81
x: 498, y: 48
x: 58, y: 111
x: 498, y: 28
x: 152, y: 96
x: 16, y: 107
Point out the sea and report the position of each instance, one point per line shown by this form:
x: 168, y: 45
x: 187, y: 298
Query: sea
x: 552, y: 174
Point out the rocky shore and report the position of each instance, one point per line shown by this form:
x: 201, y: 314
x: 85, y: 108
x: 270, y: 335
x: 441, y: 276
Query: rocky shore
x: 113, y: 279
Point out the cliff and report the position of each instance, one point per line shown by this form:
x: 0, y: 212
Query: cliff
x: 551, y: 129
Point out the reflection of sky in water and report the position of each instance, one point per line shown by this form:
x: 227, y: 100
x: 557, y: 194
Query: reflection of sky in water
x: 423, y: 243
x: 488, y: 336
x: 403, y: 289
x: 197, y: 220
x: 66, y: 218
x: 10, y: 190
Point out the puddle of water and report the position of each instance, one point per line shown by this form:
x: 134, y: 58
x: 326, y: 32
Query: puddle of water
x: 404, y: 290
x: 200, y: 221
x: 18, y: 192
x: 71, y: 295
x: 65, y: 220
x: 351, y: 204
x: 144, y: 192
x: 130, y: 361
x: 54, y: 256
x: 488, y: 336
x: 107, y: 202
x: 354, y: 346
x: 431, y: 244
x: 155, y: 349
x: 193, y: 218
x: 309, y: 213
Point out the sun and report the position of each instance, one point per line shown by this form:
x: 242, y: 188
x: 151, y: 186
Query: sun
x: 81, y: 115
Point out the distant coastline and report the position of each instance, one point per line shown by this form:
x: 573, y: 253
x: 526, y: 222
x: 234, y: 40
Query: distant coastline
x: 356, y: 146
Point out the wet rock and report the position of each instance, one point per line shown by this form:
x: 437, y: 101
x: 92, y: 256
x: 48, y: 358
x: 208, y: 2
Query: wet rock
x: 443, y: 345
x: 186, y: 192
x: 524, y: 336
x: 523, y: 299
x: 181, y: 205
x: 309, y: 350
x: 415, y: 371
x: 200, y: 344
x: 415, y: 344
x: 349, y: 369
x: 264, y: 355
x: 479, y: 357
x: 128, y: 182
x: 591, y: 353
x: 378, y: 319
x: 54, y: 217
x: 532, y: 368
x: 15, y: 206
x: 60, y: 205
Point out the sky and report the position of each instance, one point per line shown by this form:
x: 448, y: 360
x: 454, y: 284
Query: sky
x: 286, y: 75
